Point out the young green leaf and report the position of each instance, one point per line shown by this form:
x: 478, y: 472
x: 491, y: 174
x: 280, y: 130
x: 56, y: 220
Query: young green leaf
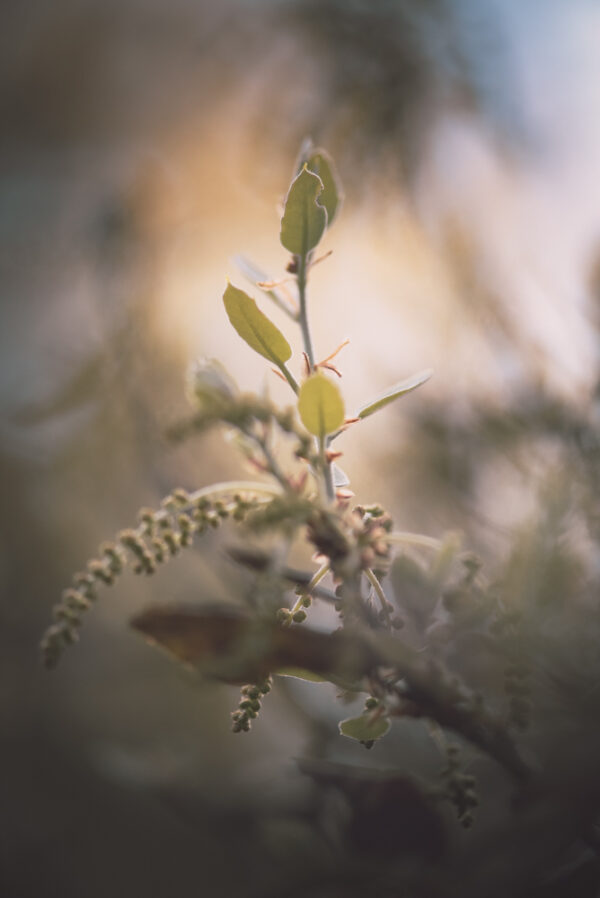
x: 364, y: 728
x: 399, y: 389
x: 322, y: 165
x: 320, y: 405
x: 304, y: 220
x: 255, y: 328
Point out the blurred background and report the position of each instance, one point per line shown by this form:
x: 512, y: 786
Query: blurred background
x: 143, y: 145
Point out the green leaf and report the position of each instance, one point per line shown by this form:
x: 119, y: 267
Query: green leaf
x: 364, y: 728
x: 322, y: 165
x: 224, y: 642
x: 304, y: 220
x: 320, y: 405
x: 255, y: 328
x: 399, y: 389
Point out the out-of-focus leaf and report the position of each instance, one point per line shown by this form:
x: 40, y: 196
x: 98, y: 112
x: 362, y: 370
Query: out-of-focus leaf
x: 304, y: 220
x: 365, y: 728
x: 208, y: 380
x: 387, y: 815
x: 225, y: 643
x: 255, y: 328
x: 399, y: 389
x: 350, y: 686
x: 320, y: 405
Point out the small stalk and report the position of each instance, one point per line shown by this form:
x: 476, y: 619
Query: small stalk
x: 301, y: 277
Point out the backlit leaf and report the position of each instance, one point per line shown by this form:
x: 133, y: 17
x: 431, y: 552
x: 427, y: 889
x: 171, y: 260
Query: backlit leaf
x: 254, y: 327
x: 365, y: 728
x: 304, y: 220
x: 320, y: 405
x: 399, y: 389
x: 322, y: 165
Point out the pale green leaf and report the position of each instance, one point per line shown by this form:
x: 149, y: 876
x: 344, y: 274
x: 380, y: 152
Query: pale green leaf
x: 322, y: 165
x: 320, y: 405
x: 365, y: 728
x: 254, y: 327
x: 304, y: 220
x: 399, y: 389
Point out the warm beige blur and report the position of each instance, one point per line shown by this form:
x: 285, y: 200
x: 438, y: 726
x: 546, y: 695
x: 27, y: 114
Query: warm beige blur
x: 145, y: 148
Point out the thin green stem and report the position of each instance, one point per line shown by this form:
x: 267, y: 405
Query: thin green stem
x: 301, y: 278
x: 302, y: 313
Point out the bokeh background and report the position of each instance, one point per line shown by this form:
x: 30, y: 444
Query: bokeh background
x: 143, y: 145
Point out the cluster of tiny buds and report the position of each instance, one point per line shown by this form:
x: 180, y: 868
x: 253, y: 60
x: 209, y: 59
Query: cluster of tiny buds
x: 296, y: 614
x: 459, y: 787
x: 371, y: 530
x: 159, y: 536
x: 249, y: 706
